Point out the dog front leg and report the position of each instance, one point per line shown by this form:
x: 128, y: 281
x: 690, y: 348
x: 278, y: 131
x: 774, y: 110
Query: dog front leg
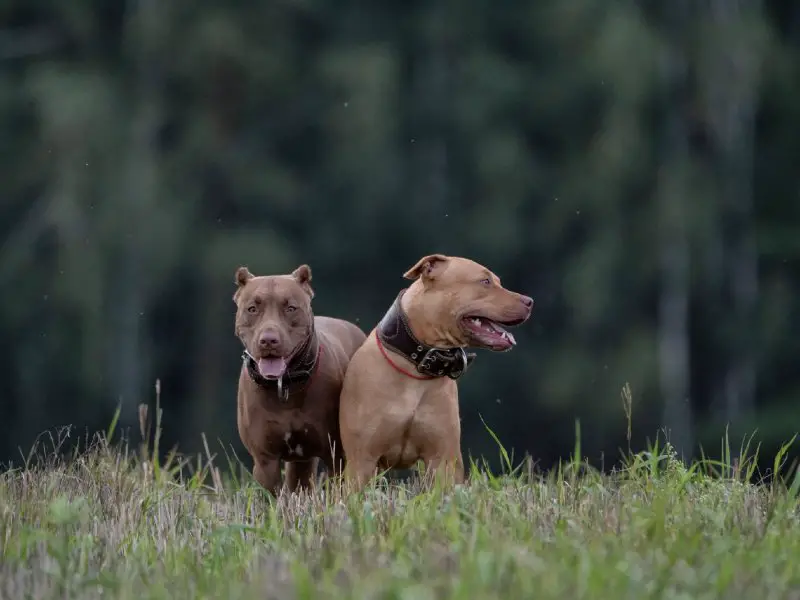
x: 358, y: 471
x: 334, y: 459
x: 268, y: 473
x: 301, y: 474
x: 449, y: 470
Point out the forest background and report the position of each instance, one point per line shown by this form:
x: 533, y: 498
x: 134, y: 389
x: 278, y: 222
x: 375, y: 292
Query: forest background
x: 633, y: 166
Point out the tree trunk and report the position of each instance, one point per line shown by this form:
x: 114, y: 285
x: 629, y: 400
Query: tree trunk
x: 674, y: 254
x: 732, y: 81
x: 129, y: 298
x: 432, y: 97
x: 210, y: 403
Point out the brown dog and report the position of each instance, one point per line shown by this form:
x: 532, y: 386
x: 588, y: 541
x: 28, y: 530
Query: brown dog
x: 399, y: 400
x: 289, y: 385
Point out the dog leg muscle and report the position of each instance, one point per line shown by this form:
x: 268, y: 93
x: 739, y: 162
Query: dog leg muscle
x: 301, y: 474
x: 268, y: 474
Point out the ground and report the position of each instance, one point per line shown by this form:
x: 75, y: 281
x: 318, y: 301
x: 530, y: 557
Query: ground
x: 111, y: 523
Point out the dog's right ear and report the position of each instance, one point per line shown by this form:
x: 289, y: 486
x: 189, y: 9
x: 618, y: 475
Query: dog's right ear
x: 427, y: 267
x: 243, y: 275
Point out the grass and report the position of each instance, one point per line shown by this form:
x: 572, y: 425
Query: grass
x: 115, y: 522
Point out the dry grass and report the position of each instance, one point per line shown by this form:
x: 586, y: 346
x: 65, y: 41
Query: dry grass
x: 108, y: 523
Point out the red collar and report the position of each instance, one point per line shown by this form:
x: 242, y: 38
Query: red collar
x: 396, y: 367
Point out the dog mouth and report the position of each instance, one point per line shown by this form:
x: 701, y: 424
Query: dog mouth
x: 272, y: 367
x: 489, y: 333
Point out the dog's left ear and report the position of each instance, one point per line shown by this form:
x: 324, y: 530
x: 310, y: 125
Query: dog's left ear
x: 427, y: 267
x: 302, y: 275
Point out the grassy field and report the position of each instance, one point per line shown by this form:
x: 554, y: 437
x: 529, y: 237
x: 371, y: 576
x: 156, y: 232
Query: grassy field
x: 113, y: 523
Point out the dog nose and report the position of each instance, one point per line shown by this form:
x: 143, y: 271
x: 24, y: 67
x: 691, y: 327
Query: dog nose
x: 268, y: 339
x: 527, y: 301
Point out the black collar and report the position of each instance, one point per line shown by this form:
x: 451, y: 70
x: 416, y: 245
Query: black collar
x: 299, y: 370
x: 395, y: 333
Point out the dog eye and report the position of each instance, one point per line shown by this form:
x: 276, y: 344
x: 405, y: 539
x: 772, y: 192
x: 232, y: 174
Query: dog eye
x: 252, y: 309
x: 291, y: 308
x: 486, y: 281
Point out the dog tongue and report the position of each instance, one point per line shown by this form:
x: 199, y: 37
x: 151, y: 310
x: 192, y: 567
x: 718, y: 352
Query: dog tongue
x: 271, y: 368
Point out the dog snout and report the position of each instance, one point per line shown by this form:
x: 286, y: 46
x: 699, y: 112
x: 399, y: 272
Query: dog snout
x: 527, y: 301
x: 268, y: 340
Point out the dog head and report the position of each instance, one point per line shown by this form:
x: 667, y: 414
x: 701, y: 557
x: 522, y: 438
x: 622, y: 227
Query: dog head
x: 273, y: 316
x: 458, y: 302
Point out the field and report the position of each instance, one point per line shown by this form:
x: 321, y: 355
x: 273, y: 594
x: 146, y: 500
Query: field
x: 113, y: 522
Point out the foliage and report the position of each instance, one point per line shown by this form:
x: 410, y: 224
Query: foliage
x: 615, y: 160
x: 113, y: 521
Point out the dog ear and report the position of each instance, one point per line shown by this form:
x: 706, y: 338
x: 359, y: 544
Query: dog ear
x: 427, y: 267
x: 243, y: 275
x: 302, y: 275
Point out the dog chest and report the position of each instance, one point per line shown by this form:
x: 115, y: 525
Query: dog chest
x: 296, y: 442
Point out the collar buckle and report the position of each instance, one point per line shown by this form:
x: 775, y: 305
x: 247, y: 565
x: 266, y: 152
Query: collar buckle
x: 283, y: 391
x: 457, y: 372
x: 438, y: 362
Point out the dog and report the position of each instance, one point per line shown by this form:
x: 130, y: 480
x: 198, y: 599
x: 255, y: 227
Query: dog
x: 291, y: 377
x: 399, y: 401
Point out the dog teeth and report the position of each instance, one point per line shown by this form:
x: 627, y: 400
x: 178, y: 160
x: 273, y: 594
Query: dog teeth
x: 510, y: 337
x: 493, y: 327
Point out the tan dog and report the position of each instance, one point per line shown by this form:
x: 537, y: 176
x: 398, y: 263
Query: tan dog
x: 399, y: 400
x: 289, y: 385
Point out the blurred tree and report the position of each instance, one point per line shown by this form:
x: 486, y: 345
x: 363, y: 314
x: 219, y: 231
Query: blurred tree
x: 674, y: 196
x: 631, y: 165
